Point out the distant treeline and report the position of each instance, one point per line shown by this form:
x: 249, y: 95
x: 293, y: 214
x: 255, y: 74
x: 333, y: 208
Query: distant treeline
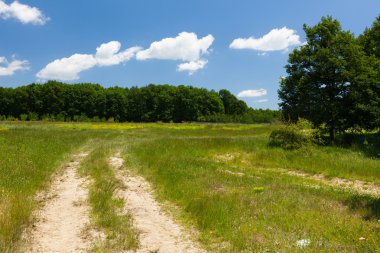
x: 56, y: 101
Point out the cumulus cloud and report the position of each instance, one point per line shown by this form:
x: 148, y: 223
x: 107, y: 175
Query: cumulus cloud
x: 276, y: 40
x: 185, y: 47
x: 108, y: 54
x: 9, y: 68
x: 66, y: 69
x: 192, y: 66
x: 69, y: 68
x: 22, y: 12
x: 252, y: 93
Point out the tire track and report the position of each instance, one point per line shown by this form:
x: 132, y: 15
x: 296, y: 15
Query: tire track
x: 157, y: 231
x: 59, y: 225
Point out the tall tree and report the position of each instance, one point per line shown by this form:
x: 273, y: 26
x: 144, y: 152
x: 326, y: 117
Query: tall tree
x: 370, y: 39
x: 367, y: 93
x: 232, y: 105
x: 320, y: 75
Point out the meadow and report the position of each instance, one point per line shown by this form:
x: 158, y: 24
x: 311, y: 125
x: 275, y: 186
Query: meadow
x: 222, y: 180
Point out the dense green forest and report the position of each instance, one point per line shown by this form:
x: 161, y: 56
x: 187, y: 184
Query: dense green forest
x: 334, y: 79
x: 92, y: 102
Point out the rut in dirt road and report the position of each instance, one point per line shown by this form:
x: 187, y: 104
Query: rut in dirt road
x: 157, y: 231
x: 60, y: 222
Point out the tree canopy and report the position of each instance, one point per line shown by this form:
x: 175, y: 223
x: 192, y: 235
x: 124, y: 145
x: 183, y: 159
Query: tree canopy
x: 333, y: 79
x: 59, y: 101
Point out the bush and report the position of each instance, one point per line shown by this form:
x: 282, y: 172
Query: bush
x: 294, y: 136
x: 287, y: 138
x: 23, y: 117
x: 11, y: 118
x: 32, y: 116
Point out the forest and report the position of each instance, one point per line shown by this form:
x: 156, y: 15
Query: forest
x: 56, y: 101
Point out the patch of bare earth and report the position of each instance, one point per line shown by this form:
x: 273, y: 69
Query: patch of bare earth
x: 225, y: 157
x: 358, y: 186
x: 228, y: 172
x: 157, y: 231
x: 60, y: 223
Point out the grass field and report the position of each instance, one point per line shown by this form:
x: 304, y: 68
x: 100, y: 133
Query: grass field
x: 29, y: 156
x: 222, y: 179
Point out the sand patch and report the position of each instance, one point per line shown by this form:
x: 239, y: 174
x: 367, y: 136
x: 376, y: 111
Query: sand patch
x: 358, y: 186
x: 228, y: 172
x: 59, y: 225
x: 157, y: 231
x: 224, y: 157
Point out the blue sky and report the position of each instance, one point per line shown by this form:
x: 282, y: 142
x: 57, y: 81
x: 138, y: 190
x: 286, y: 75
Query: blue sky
x: 193, y: 41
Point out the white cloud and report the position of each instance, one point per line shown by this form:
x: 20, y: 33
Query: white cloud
x: 9, y: 68
x: 185, y: 47
x: 192, y: 66
x: 69, y: 68
x: 22, y: 12
x: 107, y: 54
x: 262, y: 101
x: 276, y: 40
x: 252, y: 93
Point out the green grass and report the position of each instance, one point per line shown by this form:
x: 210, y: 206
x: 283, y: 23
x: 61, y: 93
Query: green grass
x: 330, y: 161
x: 261, y: 211
x: 106, y: 207
x: 28, y: 158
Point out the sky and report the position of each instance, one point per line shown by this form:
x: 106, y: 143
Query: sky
x: 241, y: 46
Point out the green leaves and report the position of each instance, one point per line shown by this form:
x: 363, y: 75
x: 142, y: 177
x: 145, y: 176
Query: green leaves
x: 331, y: 79
x: 85, y: 102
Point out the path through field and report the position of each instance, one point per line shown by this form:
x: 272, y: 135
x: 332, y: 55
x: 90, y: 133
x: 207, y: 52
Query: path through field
x: 358, y: 186
x: 157, y: 231
x: 60, y: 222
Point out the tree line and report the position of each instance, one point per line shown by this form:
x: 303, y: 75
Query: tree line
x: 334, y: 79
x: 92, y: 102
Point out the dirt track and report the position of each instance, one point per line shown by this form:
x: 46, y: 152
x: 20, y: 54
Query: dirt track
x: 157, y: 231
x: 59, y: 224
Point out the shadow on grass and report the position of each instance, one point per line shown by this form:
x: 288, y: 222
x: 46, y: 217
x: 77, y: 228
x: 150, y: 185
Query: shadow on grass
x: 368, y: 207
x: 367, y: 143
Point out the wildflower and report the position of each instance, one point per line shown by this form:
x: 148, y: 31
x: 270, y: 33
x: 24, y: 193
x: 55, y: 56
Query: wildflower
x: 303, y: 243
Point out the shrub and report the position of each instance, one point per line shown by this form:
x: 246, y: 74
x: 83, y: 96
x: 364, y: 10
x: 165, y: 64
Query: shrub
x: 95, y: 119
x: 47, y: 117
x: 23, y: 117
x: 11, y: 118
x: 287, y: 138
x: 294, y: 136
x: 32, y: 116
x: 61, y: 117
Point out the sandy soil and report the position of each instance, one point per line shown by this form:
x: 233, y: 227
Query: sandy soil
x: 60, y: 223
x: 358, y: 186
x: 157, y: 231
